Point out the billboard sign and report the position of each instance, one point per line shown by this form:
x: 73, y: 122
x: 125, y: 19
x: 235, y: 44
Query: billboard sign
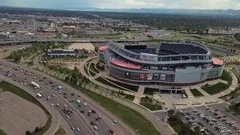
x: 155, y: 76
x: 149, y: 76
x: 162, y: 76
x: 142, y: 76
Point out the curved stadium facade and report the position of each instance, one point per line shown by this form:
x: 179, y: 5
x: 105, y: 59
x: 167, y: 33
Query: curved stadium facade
x: 164, y: 63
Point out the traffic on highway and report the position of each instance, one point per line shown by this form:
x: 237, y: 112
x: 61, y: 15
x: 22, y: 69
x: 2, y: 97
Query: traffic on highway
x: 83, y: 115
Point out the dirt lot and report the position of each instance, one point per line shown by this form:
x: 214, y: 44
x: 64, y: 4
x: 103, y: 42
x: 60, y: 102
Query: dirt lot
x: 6, y: 50
x: 87, y: 46
x: 17, y: 115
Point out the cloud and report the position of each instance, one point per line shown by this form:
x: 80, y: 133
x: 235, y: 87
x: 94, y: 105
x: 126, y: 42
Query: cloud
x: 185, y: 4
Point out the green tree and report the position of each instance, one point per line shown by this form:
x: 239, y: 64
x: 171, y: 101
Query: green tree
x: 28, y: 133
x: 37, y: 129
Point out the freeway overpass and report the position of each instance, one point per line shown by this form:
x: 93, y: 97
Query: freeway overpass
x: 30, y: 41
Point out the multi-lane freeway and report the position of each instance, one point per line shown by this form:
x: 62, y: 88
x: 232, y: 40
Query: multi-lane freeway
x: 84, y: 117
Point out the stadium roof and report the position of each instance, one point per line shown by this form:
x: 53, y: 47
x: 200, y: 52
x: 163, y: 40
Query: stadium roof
x: 217, y: 61
x: 124, y: 64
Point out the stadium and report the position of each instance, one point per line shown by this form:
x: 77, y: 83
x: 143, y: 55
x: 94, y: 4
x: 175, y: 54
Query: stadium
x: 173, y: 63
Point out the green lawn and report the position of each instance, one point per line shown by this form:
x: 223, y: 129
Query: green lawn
x: 101, y: 80
x: 151, y: 106
x: 217, y: 88
x: 196, y: 92
x: 132, y: 118
x: 2, y: 132
x: 150, y: 91
x: 21, y: 93
x: 125, y: 85
x: 226, y: 76
x: 128, y: 97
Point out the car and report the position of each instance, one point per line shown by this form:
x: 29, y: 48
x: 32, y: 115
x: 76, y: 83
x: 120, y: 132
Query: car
x: 114, y: 121
x: 65, y: 96
x: 95, y: 127
x: 68, y: 116
x: 78, y: 129
x: 93, y: 111
x: 85, y: 103
x: 82, y: 111
x: 111, y: 131
x: 52, y: 104
x: 72, y: 94
x: 72, y: 128
x: 34, y: 77
x: 53, y: 95
x: 89, y: 114
x: 92, y: 123
x: 57, y: 105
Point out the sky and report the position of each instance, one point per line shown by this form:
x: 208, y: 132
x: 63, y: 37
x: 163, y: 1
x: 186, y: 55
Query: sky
x: 118, y: 4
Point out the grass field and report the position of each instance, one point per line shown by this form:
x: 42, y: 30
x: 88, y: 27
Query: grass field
x: 101, y: 80
x: 135, y: 120
x: 150, y: 91
x: 217, y: 88
x: 60, y: 131
x: 128, y: 97
x: 226, y: 76
x: 21, y: 93
x: 151, y: 106
x: 196, y: 92
x: 125, y: 85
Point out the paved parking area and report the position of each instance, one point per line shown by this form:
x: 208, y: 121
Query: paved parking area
x: 17, y: 115
x: 212, y: 119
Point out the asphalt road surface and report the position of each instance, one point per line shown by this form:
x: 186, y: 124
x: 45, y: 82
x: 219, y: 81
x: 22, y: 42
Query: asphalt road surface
x: 51, y: 94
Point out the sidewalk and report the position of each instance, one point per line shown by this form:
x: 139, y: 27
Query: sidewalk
x: 139, y: 95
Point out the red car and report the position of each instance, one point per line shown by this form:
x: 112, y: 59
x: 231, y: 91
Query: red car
x: 111, y: 131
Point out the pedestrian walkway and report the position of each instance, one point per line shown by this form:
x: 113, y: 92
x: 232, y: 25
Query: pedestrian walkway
x: 139, y: 94
x: 189, y: 93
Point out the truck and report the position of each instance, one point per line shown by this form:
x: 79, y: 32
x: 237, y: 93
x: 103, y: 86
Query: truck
x: 36, y: 86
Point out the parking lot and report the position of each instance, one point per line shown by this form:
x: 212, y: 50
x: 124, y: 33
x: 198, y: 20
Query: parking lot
x: 18, y: 115
x: 212, y: 119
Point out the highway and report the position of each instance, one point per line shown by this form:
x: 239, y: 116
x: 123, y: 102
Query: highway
x: 53, y: 96
x: 30, y: 41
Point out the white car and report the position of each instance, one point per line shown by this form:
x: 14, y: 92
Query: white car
x: 95, y: 127
x: 78, y: 129
x: 52, y: 104
x: 114, y: 121
x: 57, y: 105
x: 85, y: 103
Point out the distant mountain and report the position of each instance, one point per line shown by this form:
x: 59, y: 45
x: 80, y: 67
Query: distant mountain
x: 229, y: 12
